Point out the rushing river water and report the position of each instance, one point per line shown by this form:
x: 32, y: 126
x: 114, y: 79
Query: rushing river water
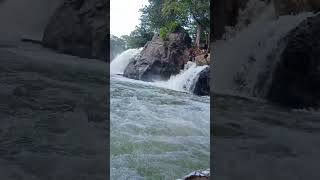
x: 157, y: 132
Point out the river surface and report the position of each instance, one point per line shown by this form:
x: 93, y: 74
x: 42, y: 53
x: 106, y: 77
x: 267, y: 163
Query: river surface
x: 159, y: 130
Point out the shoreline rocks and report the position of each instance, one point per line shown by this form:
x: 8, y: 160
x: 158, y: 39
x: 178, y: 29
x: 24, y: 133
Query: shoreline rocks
x: 198, y: 175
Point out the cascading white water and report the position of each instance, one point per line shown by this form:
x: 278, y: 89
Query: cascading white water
x: 119, y: 63
x: 186, y: 80
x: 243, y: 64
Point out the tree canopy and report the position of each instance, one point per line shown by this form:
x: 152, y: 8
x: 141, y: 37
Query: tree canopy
x: 164, y: 16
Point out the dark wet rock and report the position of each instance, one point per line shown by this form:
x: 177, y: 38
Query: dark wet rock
x: 202, y: 86
x: 296, y: 80
x: 160, y: 59
x: 198, y: 175
x: 79, y: 27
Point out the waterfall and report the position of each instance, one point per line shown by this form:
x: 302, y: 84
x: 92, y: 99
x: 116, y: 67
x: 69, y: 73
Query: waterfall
x: 185, y: 80
x: 244, y: 62
x: 119, y: 63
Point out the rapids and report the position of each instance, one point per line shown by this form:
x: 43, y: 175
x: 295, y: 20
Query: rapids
x: 159, y: 130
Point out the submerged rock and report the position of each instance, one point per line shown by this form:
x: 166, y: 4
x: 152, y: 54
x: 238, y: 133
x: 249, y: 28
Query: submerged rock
x: 79, y: 27
x: 198, y: 175
x: 160, y: 59
x: 296, y: 79
x: 202, y: 86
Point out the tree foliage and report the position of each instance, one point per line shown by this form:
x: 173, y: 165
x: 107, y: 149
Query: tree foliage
x: 190, y: 14
x: 170, y: 27
x: 164, y: 16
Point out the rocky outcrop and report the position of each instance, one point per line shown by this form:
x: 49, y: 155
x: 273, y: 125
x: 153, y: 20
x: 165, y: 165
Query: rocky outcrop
x: 296, y: 80
x: 202, y: 86
x: 79, y: 27
x: 203, y: 59
x: 284, y: 7
x: 160, y: 59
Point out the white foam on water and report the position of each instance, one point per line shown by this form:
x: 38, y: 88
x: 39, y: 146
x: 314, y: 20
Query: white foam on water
x: 157, y: 133
x: 185, y: 80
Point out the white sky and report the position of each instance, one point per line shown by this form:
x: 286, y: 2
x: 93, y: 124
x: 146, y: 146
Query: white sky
x: 124, y: 15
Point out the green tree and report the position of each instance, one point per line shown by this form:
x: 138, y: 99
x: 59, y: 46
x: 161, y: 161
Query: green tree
x: 164, y: 16
x: 190, y: 13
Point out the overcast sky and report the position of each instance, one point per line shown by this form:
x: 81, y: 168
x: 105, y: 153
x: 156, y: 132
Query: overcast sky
x: 124, y: 15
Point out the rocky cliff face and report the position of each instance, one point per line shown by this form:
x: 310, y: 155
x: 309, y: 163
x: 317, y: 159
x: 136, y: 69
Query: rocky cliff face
x: 79, y: 27
x: 160, y: 59
x: 296, y: 80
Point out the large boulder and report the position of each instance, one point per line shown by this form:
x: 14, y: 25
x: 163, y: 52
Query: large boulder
x: 202, y: 86
x: 296, y: 80
x: 160, y: 59
x: 79, y: 27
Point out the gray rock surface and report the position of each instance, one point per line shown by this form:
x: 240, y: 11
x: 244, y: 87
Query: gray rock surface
x: 160, y: 59
x: 79, y: 27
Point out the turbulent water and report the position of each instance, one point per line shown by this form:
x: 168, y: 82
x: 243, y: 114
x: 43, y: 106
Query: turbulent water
x: 159, y: 130
x: 186, y: 80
